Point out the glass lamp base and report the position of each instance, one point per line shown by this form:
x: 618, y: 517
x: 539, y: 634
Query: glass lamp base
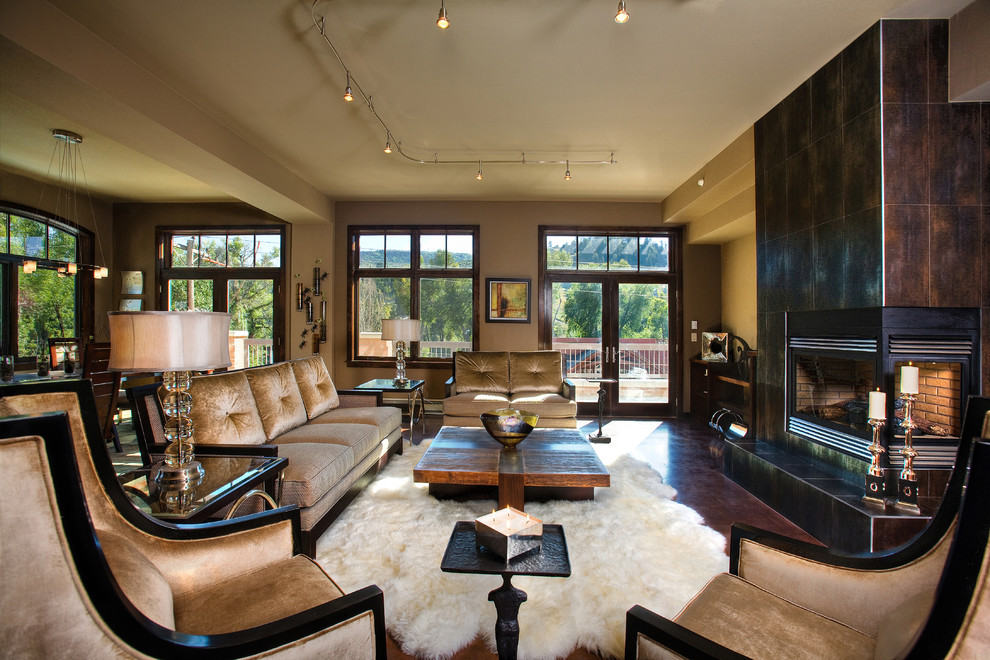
x: 190, y: 473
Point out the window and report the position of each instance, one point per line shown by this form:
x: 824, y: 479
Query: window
x: 46, y: 303
x: 632, y: 252
x: 229, y: 269
x: 429, y: 273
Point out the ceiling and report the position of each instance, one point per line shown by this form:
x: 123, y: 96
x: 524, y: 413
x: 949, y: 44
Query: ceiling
x: 241, y: 99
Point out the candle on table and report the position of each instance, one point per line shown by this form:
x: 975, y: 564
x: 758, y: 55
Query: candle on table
x: 909, y: 379
x: 878, y: 405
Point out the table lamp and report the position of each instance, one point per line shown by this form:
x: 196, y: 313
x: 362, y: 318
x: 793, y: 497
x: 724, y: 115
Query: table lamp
x: 400, y: 331
x: 175, y: 343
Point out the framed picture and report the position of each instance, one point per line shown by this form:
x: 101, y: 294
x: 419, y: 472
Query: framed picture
x: 507, y: 300
x: 131, y: 282
x: 130, y: 304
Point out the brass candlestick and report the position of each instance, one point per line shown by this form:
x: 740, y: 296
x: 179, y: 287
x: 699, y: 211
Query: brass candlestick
x: 907, y: 482
x: 874, y: 475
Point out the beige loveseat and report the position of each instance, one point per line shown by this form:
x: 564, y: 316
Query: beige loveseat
x: 529, y: 380
x: 335, y: 442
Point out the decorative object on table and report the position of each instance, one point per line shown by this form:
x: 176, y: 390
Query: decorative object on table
x: 875, y: 489
x: 602, y: 393
x: 509, y: 426
x: 176, y: 343
x: 43, y: 366
x: 131, y: 282
x: 508, y: 533
x: 507, y: 300
x: 907, y: 482
x: 130, y: 304
x: 68, y: 364
x: 715, y: 346
x: 400, y: 331
x: 6, y: 368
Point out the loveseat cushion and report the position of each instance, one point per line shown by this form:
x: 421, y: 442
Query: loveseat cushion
x: 224, y: 411
x: 535, y: 371
x: 481, y: 371
x: 256, y: 598
x: 313, y: 469
x: 546, y: 405
x: 362, y: 438
x: 318, y: 392
x: 472, y: 404
x: 384, y: 418
x: 278, y: 399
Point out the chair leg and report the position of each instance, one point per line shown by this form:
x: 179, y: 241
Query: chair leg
x: 116, y: 439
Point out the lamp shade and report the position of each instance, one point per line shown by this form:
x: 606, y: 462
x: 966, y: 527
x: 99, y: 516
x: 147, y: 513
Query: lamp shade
x: 169, y: 341
x: 400, y: 329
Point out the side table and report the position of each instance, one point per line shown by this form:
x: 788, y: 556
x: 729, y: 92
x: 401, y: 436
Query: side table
x: 464, y: 556
x: 413, y: 390
x: 226, y: 480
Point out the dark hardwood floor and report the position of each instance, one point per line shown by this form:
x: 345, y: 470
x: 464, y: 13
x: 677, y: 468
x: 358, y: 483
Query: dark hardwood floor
x: 676, y: 448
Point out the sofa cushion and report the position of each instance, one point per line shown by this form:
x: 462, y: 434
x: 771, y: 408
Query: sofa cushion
x: 279, y: 402
x: 481, y: 371
x: 472, y: 404
x: 362, y: 438
x: 318, y: 392
x: 256, y: 598
x: 544, y: 404
x: 535, y: 371
x: 224, y: 411
x: 385, y: 418
x: 313, y: 469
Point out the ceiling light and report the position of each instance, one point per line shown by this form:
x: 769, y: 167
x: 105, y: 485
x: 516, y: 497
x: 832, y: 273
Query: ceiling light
x: 29, y: 265
x: 71, y: 268
x: 567, y: 174
x: 348, y: 96
x: 701, y: 181
x: 621, y: 16
x: 388, y: 144
x: 479, y: 176
x: 442, y: 21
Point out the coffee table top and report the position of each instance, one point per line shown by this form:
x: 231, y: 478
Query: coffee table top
x: 548, y: 457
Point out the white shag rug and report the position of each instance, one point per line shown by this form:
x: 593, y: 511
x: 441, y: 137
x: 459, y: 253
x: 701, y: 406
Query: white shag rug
x: 632, y: 545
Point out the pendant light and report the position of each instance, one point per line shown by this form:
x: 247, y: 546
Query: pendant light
x: 442, y: 21
x: 621, y: 16
x: 348, y: 96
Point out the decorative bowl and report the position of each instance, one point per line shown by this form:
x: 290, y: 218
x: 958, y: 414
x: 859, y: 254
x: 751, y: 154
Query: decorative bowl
x: 508, y: 425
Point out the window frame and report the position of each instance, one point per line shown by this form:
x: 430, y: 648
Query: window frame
x: 11, y: 265
x: 221, y: 275
x: 415, y: 272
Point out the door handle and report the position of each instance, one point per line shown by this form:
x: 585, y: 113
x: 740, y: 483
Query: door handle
x: 615, y: 354
x: 605, y: 355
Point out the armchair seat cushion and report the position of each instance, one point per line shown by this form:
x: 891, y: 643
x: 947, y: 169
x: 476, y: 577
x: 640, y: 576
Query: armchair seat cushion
x: 361, y: 438
x: 548, y: 405
x: 472, y: 404
x: 385, y: 418
x: 758, y: 624
x: 256, y: 598
x: 313, y: 469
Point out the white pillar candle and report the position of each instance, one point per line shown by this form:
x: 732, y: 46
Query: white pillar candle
x: 909, y: 379
x: 878, y: 405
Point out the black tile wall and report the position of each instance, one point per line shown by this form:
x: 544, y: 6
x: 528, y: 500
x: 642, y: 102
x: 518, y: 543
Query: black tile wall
x: 861, y: 174
x: 861, y: 74
x: 826, y: 99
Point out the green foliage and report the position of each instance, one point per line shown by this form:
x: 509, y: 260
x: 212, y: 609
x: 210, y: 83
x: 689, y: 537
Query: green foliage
x: 446, y: 309
x: 46, y: 307
x: 643, y: 311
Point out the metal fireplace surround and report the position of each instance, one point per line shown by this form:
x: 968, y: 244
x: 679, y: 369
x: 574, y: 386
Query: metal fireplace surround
x: 835, y: 357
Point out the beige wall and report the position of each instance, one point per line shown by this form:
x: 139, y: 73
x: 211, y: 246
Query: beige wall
x: 739, y: 288
x: 702, y: 303
x: 33, y: 194
x: 509, y: 248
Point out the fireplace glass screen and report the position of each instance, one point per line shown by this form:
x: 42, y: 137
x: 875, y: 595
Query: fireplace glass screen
x: 939, y: 399
x: 833, y: 390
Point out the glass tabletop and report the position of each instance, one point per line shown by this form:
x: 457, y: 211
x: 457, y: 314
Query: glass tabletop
x: 223, y: 474
x: 389, y: 385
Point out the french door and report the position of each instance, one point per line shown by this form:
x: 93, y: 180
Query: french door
x: 615, y: 331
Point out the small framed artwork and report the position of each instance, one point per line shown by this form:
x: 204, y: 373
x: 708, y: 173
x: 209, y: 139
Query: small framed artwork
x: 507, y: 300
x: 130, y: 304
x: 131, y: 282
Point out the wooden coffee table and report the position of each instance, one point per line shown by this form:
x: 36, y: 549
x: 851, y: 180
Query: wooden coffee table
x: 467, y: 463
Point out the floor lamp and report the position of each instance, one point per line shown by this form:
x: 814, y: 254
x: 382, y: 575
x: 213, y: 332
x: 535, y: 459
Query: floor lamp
x: 175, y: 343
x: 400, y: 331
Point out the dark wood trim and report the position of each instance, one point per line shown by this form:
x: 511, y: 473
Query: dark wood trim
x: 685, y: 643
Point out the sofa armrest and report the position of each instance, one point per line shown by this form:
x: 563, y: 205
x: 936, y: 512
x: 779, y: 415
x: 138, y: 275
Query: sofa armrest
x: 360, y: 398
x: 677, y: 639
x: 568, y: 390
x: 449, y: 388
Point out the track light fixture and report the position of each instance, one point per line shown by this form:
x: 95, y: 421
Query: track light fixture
x: 567, y: 172
x: 388, y: 143
x: 348, y: 96
x: 479, y: 176
x: 442, y: 21
x: 621, y: 16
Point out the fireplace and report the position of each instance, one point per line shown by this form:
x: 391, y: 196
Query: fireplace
x: 835, y: 358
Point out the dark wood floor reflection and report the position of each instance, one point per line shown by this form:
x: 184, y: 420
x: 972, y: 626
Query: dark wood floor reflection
x: 678, y: 450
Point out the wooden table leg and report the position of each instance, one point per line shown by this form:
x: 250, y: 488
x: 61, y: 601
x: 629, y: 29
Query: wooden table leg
x: 511, y: 480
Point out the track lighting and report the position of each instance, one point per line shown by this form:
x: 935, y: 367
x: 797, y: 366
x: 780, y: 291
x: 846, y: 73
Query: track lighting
x: 478, y: 176
x: 621, y: 16
x: 348, y: 96
x: 442, y: 21
x: 567, y: 173
x: 388, y: 143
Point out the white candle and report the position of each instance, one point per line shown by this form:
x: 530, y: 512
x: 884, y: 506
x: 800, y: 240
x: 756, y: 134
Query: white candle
x: 878, y: 405
x: 909, y: 379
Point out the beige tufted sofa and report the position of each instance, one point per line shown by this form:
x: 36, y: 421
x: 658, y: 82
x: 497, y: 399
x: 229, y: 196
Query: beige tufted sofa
x: 529, y: 380
x: 335, y: 441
